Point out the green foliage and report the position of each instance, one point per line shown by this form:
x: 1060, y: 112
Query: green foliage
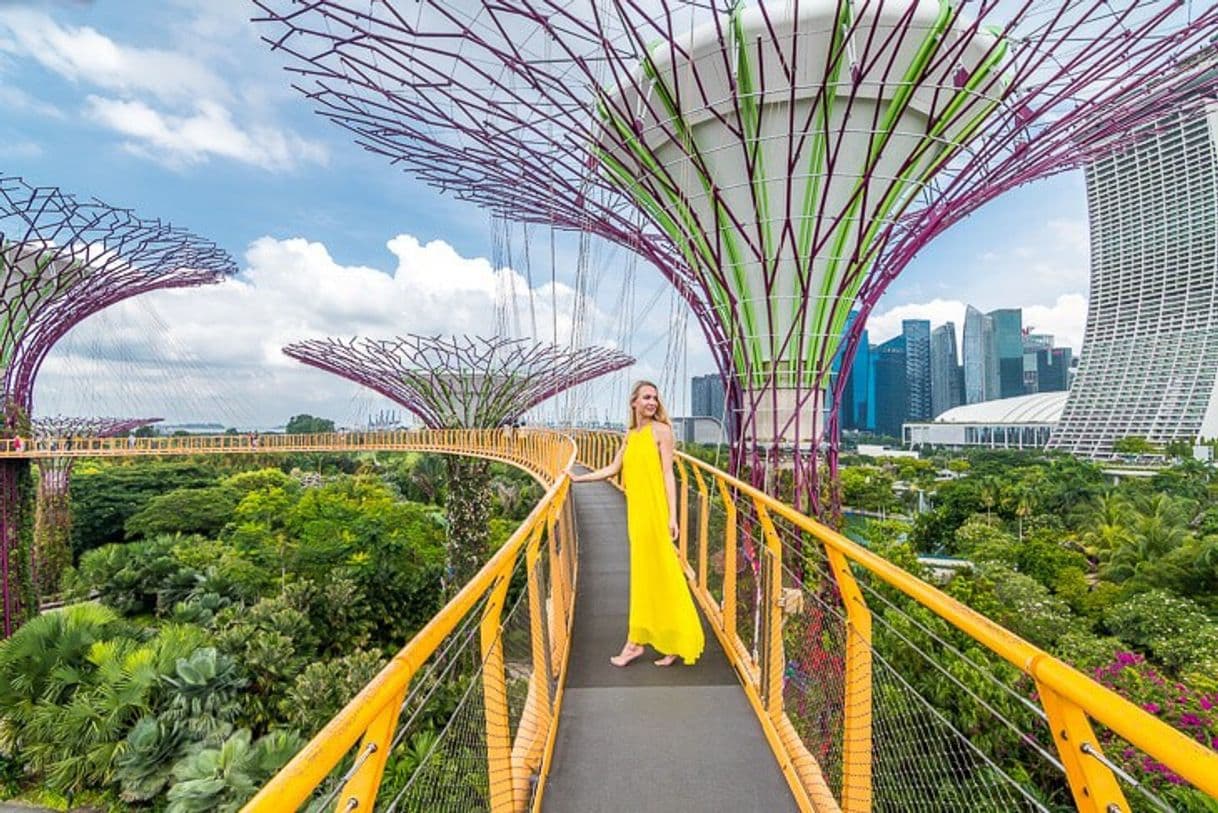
x: 224, y: 777
x: 305, y: 424
x: 868, y: 488
x: 1175, y: 630
x: 73, y: 683
x: 1133, y: 444
x: 105, y: 497
x: 324, y: 687
x: 201, y: 511
x: 273, y: 641
x: 136, y: 578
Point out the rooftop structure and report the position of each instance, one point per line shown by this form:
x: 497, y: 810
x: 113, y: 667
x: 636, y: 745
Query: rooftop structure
x: 1023, y: 422
x: 462, y: 381
x: 777, y: 162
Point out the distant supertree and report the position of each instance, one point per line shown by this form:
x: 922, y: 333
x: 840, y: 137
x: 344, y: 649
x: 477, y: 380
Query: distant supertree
x: 779, y: 163
x: 62, y: 260
x: 53, y: 520
x: 462, y: 382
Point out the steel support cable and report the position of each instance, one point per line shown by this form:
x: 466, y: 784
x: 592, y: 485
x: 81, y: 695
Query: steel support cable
x: 1093, y: 752
x: 960, y: 734
x: 835, y: 611
x: 436, y: 659
x: 475, y: 683
x: 871, y: 590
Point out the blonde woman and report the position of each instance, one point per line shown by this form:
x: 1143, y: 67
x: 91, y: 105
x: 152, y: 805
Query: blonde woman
x: 662, y: 611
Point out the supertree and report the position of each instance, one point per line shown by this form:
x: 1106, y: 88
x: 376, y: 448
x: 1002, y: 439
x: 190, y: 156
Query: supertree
x: 61, y: 260
x: 52, y: 551
x: 779, y: 163
x: 462, y: 382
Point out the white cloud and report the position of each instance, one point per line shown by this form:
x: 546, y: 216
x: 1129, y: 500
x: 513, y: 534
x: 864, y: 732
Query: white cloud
x: 215, y: 352
x: 82, y: 54
x: 15, y: 100
x: 210, y: 131
x: 170, y: 106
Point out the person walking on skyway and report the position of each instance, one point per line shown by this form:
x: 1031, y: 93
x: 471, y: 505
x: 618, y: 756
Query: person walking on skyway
x: 662, y: 611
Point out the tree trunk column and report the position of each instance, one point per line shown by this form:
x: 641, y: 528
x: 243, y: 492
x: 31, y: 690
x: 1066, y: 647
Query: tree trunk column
x: 16, y: 586
x: 52, y: 525
x: 467, y: 508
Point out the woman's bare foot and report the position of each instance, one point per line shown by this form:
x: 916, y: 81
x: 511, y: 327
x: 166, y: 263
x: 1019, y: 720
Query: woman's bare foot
x: 629, y: 652
x: 667, y: 660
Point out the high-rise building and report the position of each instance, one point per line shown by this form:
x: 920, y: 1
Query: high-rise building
x: 891, y: 400
x: 946, y: 374
x: 1149, y: 363
x: 1008, y: 342
x: 1033, y: 342
x: 1053, y: 369
x: 917, y: 369
x: 858, y: 396
x: 981, y: 381
x: 707, y: 398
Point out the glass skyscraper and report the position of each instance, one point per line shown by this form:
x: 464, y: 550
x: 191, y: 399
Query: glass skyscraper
x: 981, y: 379
x: 891, y: 401
x: 946, y: 375
x: 1008, y: 345
x: 917, y: 369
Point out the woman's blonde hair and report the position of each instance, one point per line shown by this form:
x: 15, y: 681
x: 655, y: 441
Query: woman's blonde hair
x: 661, y: 413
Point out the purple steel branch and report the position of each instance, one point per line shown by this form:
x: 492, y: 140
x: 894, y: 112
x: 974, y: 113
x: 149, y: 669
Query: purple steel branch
x: 498, y: 103
x: 461, y: 381
x: 62, y: 260
x: 97, y: 255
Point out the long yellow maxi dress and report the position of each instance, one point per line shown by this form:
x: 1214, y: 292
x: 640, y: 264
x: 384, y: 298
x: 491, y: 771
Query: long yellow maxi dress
x: 661, y: 609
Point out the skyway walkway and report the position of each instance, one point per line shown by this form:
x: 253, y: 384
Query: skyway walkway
x: 648, y: 738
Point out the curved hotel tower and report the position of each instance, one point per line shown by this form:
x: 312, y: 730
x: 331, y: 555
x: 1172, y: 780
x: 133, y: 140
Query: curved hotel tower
x: 1149, y: 364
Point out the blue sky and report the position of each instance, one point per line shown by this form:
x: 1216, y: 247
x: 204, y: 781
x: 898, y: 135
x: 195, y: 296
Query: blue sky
x: 180, y: 112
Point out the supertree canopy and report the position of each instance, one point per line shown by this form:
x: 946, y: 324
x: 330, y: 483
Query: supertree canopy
x: 462, y: 382
x: 780, y: 163
x: 62, y: 260
x: 53, y: 521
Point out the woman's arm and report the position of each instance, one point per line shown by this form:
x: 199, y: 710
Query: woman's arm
x: 664, y: 439
x: 602, y: 474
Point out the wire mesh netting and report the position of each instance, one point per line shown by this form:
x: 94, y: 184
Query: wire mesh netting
x: 449, y: 769
x: 947, y: 731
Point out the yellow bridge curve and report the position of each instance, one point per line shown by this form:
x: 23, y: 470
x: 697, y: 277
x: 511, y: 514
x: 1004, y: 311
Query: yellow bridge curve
x: 827, y: 701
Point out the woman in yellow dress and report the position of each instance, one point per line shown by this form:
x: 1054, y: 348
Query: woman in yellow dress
x: 662, y: 611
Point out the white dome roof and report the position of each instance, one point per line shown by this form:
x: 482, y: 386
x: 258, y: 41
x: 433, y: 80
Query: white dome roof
x: 1042, y: 407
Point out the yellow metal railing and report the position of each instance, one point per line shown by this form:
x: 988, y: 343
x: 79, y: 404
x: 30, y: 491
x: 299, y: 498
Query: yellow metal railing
x: 520, y: 671
x: 749, y: 621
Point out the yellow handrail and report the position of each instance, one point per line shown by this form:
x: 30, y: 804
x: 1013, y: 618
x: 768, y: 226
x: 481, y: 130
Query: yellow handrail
x: 1069, y: 698
x: 372, y: 716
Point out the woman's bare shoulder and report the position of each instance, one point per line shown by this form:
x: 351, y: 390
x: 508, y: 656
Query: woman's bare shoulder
x: 661, y: 430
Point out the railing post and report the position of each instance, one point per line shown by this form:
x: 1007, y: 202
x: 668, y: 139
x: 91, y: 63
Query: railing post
x: 771, y: 650
x: 494, y: 700
x: 359, y: 793
x: 1092, y: 784
x: 683, y: 519
x: 729, y: 560
x: 558, y: 595
x: 537, y: 717
x: 703, y: 525
x: 856, y: 723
